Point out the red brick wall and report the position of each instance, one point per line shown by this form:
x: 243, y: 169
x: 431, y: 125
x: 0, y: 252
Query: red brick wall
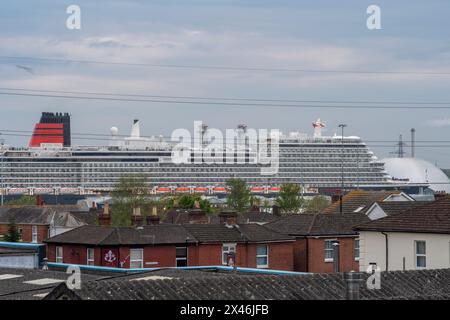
x: 27, y: 231
x: 300, y: 255
x: 316, y: 260
x: 280, y: 255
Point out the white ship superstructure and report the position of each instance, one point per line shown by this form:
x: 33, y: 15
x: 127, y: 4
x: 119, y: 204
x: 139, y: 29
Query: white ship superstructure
x: 312, y: 161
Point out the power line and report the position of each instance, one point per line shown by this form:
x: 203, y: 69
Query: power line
x: 99, y: 137
x: 229, y: 68
x: 227, y: 98
x: 230, y: 104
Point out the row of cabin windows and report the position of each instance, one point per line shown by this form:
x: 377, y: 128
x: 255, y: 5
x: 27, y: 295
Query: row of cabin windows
x: 137, y: 256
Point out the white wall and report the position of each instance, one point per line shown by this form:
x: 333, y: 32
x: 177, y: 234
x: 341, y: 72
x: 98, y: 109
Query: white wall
x: 373, y: 249
x: 19, y: 261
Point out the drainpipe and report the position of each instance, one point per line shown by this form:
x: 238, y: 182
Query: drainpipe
x: 336, y: 256
x: 307, y: 254
x: 387, y: 249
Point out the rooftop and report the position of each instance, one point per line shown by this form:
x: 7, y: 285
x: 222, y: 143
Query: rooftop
x: 29, y: 284
x: 198, y: 285
x: 433, y: 217
x: 168, y: 234
x: 360, y: 200
x: 320, y: 224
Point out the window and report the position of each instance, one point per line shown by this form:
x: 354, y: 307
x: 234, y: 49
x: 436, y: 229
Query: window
x: 136, y: 258
x: 59, y: 255
x: 357, y: 249
x: 34, y: 234
x: 328, y: 250
x: 421, y: 256
x: 181, y: 256
x: 226, y: 249
x: 262, y: 256
x: 90, y: 256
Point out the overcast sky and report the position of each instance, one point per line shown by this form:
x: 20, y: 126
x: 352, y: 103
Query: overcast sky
x: 315, y: 35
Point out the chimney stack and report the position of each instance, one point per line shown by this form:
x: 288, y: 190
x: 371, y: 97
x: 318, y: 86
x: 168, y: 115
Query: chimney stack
x: 352, y: 282
x: 136, y: 217
x: 153, y: 218
x: 255, y: 207
x: 105, y: 219
x: 228, y: 217
x: 276, y: 210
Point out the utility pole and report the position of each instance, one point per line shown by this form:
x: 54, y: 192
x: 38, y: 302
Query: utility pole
x: 2, y: 142
x: 342, y: 126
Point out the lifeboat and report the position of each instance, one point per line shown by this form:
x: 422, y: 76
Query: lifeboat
x: 183, y: 189
x: 201, y: 190
x: 220, y: 189
x: 257, y: 189
x: 274, y: 189
x: 163, y: 190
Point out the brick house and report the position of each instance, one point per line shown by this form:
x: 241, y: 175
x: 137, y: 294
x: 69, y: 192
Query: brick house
x: 37, y: 223
x: 171, y: 245
x: 416, y: 238
x: 315, y: 235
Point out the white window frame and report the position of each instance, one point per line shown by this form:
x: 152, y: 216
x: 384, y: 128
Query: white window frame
x: 357, y: 248
x: 34, y: 233
x: 59, y: 258
x: 417, y: 255
x: 326, y: 249
x: 140, y: 261
x: 90, y: 261
x: 262, y: 256
x: 226, y: 249
x: 184, y: 258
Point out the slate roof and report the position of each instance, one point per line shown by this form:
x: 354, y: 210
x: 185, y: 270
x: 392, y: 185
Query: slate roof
x: 394, y: 207
x: 423, y: 284
x: 318, y: 224
x: 45, y: 215
x: 169, y: 234
x: 433, y: 217
x: 214, y: 233
x: 359, y: 198
x: 17, y: 288
x: 98, y: 235
x: 183, y: 217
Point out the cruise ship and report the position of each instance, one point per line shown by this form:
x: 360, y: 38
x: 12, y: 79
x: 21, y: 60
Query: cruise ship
x: 50, y: 164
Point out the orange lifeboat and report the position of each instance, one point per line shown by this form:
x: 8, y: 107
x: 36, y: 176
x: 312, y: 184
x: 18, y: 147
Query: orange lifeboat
x: 163, y: 190
x: 257, y: 189
x: 201, y: 190
x: 220, y: 189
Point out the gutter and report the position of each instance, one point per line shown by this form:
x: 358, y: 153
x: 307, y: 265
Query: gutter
x: 213, y: 268
x: 386, y: 249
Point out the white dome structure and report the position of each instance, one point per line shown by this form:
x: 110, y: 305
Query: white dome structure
x: 417, y: 171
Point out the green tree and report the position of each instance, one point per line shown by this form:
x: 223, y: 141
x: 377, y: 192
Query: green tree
x: 317, y: 204
x: 22, y: 201
x: 130, y: 192
x: 289, y: 199
x: 187, y: 201
x: 239, y: 196
x: 13, y: 234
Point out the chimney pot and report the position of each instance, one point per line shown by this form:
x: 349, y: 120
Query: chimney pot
x: 352, y: 282
x: 106, y: 209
